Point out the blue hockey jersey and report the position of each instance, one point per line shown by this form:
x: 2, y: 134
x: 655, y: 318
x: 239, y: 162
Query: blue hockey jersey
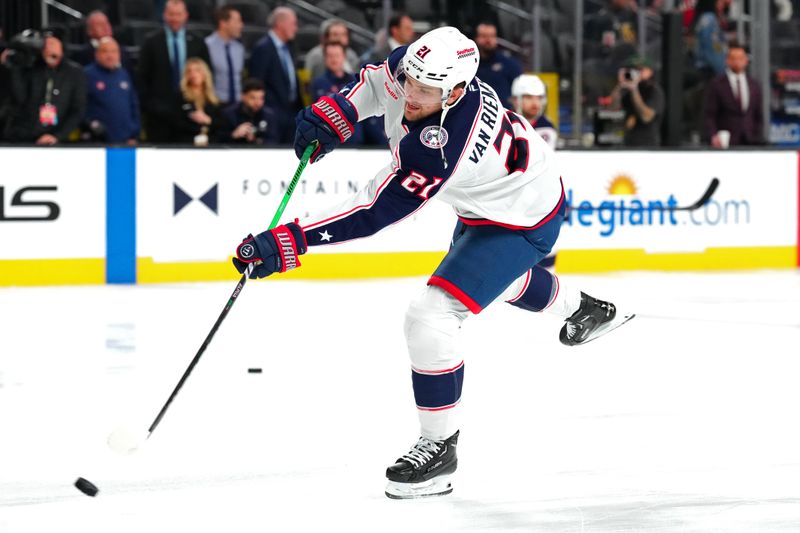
x: 498, y: 170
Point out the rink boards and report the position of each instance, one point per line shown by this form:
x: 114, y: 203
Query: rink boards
x: 93, y: 215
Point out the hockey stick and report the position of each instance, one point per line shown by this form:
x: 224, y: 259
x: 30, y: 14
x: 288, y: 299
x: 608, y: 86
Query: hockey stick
x: 710, y: 190
x: 237, y: 291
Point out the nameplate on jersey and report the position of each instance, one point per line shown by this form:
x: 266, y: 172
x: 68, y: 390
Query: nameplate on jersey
x: 488, y: 120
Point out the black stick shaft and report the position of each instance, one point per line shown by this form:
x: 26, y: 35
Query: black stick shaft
x: 236, y: 292
x: 710, y: 190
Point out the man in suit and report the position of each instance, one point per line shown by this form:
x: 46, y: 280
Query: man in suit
x: 98, y: 28
x: 272, y: 63
x: 161, y: 61
x: 733, y: 103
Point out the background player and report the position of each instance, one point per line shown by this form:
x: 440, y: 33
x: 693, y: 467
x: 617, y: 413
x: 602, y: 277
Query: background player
x: 450, y: 137
x: 529, y: 97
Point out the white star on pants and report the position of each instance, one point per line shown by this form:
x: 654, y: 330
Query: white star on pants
x: 325, y: 236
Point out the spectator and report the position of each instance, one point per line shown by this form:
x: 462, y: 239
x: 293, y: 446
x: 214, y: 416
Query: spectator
x: 161, y: 62
x: 334, y: 80
x: 272, y: 63
x: 98, y: 27
x: 399, y: 33
x: 5, y: 87
x: 335, y: 76
x: 733, y: 103
x: 613, y: 25
x: 331, y: 31
x: 642, y: 99
x: 497, y: 69
x: 227, y: 54
x: 529, y: 97
x: 49, y: 98
x: 112, y: 110
x: 708, y: 27
x: 250, y: 121
x: 195, y: 114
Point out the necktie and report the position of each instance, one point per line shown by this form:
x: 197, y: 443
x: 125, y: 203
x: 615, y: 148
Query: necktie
x: 176, y: 63
x: 231, y: 81
x: 287, y: 66
x: 739, y: 95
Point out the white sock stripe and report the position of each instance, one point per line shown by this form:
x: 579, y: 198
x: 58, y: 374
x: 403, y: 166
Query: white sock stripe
x: 524, y: 287
x: 437, y: 372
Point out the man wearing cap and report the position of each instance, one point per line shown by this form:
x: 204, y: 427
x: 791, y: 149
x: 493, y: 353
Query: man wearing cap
x: 642, y: 99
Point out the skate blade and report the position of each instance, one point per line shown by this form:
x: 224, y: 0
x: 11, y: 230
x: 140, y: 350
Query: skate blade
x: 608, y: 327
x: 438, y: 486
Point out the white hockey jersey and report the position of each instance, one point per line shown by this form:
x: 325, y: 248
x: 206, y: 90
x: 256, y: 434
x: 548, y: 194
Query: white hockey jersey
x: 498, y: 169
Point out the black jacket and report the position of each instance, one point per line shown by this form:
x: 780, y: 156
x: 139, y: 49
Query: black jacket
x: 264, y: 122
x: 154, y: 80
x: 181, y: 129
x: 29, y: 93
x: 265, y: 64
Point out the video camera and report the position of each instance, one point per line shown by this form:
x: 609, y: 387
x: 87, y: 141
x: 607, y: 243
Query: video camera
x: 25, y: 48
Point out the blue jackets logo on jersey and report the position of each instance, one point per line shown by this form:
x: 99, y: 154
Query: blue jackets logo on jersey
x: 433, y: 137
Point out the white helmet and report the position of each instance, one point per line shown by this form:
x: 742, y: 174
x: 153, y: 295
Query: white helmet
x: 441, y: 58
x: 528, y: 84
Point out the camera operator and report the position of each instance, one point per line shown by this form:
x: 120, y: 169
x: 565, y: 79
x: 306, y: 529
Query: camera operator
x: 48, y: 95
x: 642, y: 99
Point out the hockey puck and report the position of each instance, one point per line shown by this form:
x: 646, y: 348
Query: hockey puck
x: 86, y: 487
x: 253, y: 370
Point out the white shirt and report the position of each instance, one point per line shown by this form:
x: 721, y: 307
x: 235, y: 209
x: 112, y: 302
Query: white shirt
x: 742, y: 79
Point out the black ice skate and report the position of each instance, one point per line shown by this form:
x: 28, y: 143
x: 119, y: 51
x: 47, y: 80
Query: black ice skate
x: 423, y: 471
x: 592, y: 319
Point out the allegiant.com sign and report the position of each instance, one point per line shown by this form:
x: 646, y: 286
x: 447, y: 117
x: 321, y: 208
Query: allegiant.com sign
x: 610, y: 215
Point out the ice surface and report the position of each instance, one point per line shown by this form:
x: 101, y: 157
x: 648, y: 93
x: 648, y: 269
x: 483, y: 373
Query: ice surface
x: 685, y: 419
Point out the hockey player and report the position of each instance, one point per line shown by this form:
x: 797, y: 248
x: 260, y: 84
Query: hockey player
x: 529, y: 97
x: 450, y: 138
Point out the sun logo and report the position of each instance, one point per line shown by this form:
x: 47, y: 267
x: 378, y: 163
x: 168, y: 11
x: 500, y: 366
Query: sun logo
x: 622, y: 185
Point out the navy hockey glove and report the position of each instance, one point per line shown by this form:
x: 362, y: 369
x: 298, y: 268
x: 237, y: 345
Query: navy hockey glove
x: 329, y: 120
x: 275, y: 250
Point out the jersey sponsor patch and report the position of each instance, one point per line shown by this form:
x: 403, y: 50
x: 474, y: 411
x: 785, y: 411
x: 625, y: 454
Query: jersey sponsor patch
x: 434, y: 137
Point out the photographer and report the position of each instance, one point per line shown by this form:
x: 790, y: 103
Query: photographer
x: 250, y: 121
x: 642, y: 99
x: 48, y: 93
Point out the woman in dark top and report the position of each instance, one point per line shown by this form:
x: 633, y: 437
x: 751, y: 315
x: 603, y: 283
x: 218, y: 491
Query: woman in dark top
x: 196, y: 117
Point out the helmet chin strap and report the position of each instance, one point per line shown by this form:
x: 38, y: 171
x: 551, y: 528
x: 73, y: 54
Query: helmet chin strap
x: 445, y: 109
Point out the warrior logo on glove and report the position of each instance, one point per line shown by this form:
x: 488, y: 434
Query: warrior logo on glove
x: 274, y: 250
x: 287, y: 250
x: 247, y: 251
x: 329, y: 111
